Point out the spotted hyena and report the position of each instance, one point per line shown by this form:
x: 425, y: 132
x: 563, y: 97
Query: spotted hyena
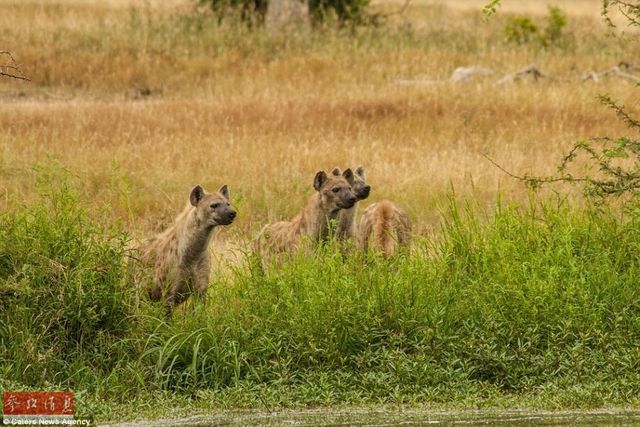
x: 346, y: 220
x: 332, y: 194
x: 384, y: 227
x: 180, y: 255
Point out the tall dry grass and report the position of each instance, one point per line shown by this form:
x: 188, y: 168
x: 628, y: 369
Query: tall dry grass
x: 143, y: 102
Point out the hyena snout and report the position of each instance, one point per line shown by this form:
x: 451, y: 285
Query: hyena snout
x: 363, y: 192
x: 227, y: 216
x: 348, y: 201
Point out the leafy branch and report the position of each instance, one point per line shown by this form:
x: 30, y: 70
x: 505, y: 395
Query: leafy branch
x: 491, y: 8
x: 617, y: 161
x: 631, y: 11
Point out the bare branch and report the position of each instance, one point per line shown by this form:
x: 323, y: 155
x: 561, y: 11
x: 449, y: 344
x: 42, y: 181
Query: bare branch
x: 11, y: 69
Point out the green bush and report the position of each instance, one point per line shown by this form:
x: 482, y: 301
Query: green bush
x: 520, y: 30
x: 523, y: 30
x: 556, y: 23
x: 346, y: 11
x: 64, y: 291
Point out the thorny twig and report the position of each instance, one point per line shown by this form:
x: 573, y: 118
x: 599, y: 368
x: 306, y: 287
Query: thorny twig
x: 12, y: 69
x: 618, y: 183
x: 615, y: 180
x: 535, y: 182
x: 627, y: 9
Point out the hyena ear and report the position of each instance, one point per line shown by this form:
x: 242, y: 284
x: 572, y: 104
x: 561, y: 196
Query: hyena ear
x: 360, y: 171
x: 336, y: 172
x: 319, y: 180
x: 224, y: 190
x: 348, y: 175
x: 196, y: 195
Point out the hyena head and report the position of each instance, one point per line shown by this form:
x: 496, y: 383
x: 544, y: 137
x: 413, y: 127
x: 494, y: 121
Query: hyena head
x: 335, y: 191
x: 360, y: 187
x: 212, y: 208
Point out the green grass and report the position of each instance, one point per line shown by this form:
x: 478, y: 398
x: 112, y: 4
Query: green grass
x: 533, y: 307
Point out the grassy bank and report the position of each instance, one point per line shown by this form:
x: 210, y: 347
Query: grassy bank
x: 532, y: 307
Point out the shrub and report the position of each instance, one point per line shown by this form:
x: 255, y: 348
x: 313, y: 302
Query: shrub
x: 520, y: 30
x: 523, y: 30
x: 556, y: 23
x: 65, y: 294
x: 352, y: 11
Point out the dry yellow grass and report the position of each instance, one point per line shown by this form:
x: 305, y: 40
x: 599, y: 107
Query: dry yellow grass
x: 143, y: 105
x: 522, y: 7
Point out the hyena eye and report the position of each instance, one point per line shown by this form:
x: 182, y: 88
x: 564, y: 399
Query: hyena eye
x: 335, y: 189
x: 215, y: 205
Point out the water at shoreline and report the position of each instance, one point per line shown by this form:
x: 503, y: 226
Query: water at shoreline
x: 391, y: 417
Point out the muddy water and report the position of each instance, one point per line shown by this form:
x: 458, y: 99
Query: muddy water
x: 404, y: 417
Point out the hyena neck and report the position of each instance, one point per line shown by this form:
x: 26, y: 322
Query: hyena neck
x: 317, y: 218
x: 346, y: 222
x: 196, y: 239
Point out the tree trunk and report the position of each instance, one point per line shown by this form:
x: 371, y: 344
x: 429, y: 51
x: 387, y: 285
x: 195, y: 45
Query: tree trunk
x: 287, y: 12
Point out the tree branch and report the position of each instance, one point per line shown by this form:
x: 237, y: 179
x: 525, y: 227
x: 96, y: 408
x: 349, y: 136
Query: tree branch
x: 12, y: 69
